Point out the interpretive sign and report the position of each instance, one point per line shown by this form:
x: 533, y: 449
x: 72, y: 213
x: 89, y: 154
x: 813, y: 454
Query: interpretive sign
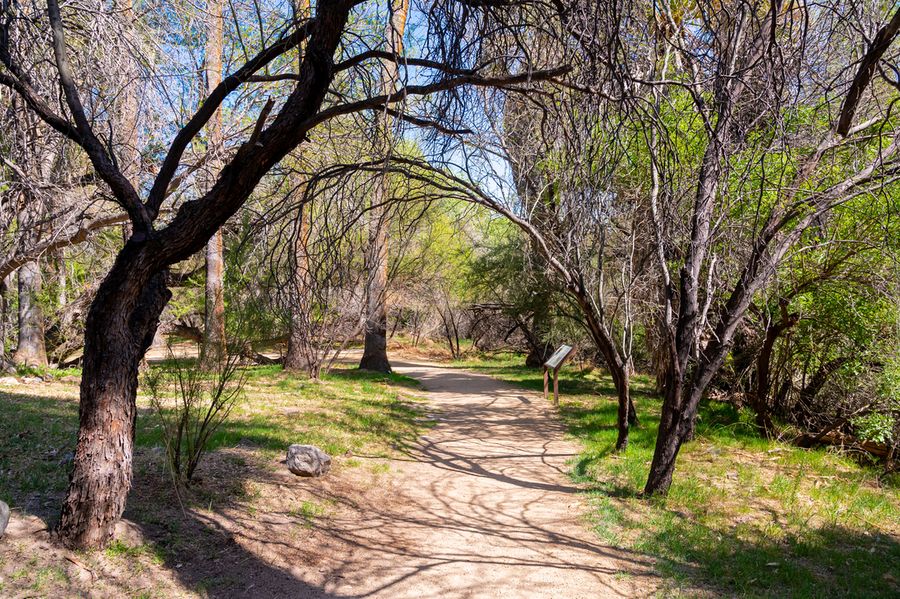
x: 555, y: 361
x: 558, y: 356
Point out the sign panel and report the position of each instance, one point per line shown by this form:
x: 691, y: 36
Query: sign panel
x: 558, y: 356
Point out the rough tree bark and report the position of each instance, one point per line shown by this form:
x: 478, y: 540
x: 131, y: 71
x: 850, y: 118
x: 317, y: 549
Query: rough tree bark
x: 31, y: 349
x: 127, y: 129
x: 214, y: 314
x: 120, y: 327
x: 375, y: 350
x: 679, y: 407
x: 296, y: 358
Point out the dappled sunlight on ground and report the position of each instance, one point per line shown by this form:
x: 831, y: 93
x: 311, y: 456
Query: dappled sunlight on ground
x: 479, y: 506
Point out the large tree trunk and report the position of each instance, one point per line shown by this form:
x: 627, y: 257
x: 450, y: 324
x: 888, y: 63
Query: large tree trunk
x: 214, y: 320
x: 31, y: 349
x: 375, y: 350
x: 673, y: 431
x: 297, y: 356
x: 684, y: 390
x: 127, y: 131
x: 120, y: 327
x: 298, y: 351
x: 125, y: 313
x: 62, y: 297
x: 295, y: 359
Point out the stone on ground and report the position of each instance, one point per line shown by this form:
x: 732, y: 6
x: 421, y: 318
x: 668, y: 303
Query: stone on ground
x: 307, y: 460
x: 4, y: 517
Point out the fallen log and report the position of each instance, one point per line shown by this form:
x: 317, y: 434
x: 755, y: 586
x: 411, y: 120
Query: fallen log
x: 839, y: 439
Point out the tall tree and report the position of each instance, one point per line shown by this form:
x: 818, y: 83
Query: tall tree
x: 299, y: 302
x: 584, y: 235
x: 757, y: 48
x: 31, y: 349
x: 296, y: 357
x: 375, y: 351
x: 127, y: 105
x: 214, y: 307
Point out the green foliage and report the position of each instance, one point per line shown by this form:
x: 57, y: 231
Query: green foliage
x: 875, y: 427
x: 510, y: 271
x: 883, y: 425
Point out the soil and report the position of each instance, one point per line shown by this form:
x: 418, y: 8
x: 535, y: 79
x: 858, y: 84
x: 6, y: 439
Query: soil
x: 484, y: 508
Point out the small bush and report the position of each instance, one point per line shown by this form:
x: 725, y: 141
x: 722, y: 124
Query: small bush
x: 203, y: 399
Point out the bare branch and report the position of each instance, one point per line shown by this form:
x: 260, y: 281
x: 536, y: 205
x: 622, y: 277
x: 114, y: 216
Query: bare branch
x: 883, y: 40
x: 122, y: 189
x: 19, y: 258
x: 208, y: 108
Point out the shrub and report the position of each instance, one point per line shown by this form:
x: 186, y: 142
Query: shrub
x: 203, y: 400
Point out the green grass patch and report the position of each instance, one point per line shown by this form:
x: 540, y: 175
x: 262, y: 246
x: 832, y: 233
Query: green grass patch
x: 347, y: 412
x: 744, y: 517
x: 120, y: 550
x: 309, y: 511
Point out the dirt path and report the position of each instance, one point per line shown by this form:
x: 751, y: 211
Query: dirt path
x: 480, y: 507
x: 483, y: 508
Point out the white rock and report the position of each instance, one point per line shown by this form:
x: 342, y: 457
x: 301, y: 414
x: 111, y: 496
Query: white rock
x: 9, y: 380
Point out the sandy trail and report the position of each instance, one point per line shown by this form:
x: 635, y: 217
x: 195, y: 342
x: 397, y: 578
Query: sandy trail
x: 483, y: 508
x: 479, y: 507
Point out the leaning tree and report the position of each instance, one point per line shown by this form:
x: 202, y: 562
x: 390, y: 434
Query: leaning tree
x: 125, y: 312
x: 789, y: 127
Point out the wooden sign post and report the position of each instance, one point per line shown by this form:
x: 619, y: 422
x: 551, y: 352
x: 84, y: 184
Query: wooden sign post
x: 555, y: 361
